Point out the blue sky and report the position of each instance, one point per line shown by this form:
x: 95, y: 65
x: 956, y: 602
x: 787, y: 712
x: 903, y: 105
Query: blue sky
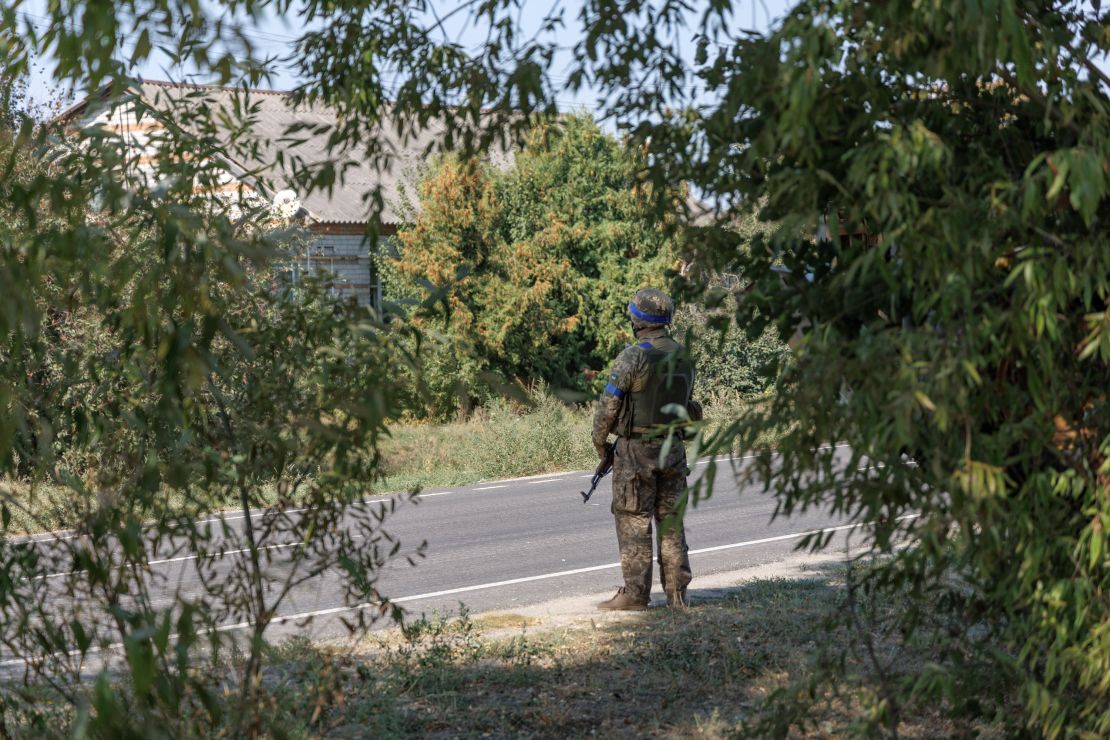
x: 277, y: 35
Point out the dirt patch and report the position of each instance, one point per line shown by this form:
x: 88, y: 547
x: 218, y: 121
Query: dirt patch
x: 579, y: 610
x: 495, y: 622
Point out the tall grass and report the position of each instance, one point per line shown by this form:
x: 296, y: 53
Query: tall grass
x: 500, y: 441
x: 505, y: 441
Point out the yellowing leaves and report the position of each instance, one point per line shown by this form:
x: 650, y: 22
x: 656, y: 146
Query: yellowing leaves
x: 980, y: 480
x: 539, y: 261
x: 924, y: 401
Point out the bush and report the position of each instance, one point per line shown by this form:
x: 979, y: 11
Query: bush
x: 726, y: 358
x: 532, y: 268
x: 941, y: 176
x: 153, y: 370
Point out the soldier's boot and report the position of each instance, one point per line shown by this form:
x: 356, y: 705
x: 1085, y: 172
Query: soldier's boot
x: 676, y: 599
x: 625, y: 602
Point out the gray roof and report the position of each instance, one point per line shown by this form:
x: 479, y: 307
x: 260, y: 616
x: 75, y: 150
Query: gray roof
x: 272, y: 117
x: 346, y: 203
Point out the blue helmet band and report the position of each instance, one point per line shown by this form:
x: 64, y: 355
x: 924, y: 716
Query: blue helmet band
x: 647, y: 317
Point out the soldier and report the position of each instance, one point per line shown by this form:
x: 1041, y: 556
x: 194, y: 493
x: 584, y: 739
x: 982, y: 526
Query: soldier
x: 646, y: 377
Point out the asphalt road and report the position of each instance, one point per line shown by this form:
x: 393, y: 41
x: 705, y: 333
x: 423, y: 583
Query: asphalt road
x: 506, y: 544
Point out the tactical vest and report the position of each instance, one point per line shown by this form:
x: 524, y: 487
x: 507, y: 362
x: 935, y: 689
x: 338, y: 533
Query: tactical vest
x: 667, y: 377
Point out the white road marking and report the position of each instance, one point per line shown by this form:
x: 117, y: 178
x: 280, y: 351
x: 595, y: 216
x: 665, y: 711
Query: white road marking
x: 467, y: 589
x: 724, y: 458
x: 783, y: 537
x: 259, y: 512
x: 490, y: 488
x: 183, y: 558
x: 561, y: 573
x: 558, y: 574
x: 47, y: 537
x: 67, y: 534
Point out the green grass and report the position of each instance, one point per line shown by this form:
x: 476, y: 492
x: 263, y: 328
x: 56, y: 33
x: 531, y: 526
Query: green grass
x: 499, y: 442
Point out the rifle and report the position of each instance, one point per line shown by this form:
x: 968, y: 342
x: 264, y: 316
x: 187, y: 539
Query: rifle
x: 603, y: 469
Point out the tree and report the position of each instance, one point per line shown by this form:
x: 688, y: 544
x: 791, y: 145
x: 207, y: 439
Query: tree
x: 730, y: 365
x: 967, y: 141
x: 964, y: 145
x: 729, y: 362
x: 153, y: 370
x: 537, y: 263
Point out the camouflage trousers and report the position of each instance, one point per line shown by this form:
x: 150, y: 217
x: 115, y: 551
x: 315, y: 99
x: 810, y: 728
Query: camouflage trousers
x: 645, y: 490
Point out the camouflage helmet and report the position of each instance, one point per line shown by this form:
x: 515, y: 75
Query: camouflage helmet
x: 650, y: 307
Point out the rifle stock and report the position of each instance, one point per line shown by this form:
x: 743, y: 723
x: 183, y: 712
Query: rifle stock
x: 602, y: 470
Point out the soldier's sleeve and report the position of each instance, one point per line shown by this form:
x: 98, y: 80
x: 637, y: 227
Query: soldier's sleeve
x: 609, y: 405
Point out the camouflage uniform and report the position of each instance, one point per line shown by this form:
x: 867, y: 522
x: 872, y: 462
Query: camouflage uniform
x: 644, y: 486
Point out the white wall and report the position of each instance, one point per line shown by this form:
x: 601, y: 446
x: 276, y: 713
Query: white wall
x: 346, y: 257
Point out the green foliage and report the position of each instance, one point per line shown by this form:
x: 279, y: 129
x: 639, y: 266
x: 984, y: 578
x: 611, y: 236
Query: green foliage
x: 728, y: 361
x: 966, y: 141
x: 957, y: 344
x: 155, y: 369
x: 534, y: 265
x: 12, y: 93
x: 734, y: 359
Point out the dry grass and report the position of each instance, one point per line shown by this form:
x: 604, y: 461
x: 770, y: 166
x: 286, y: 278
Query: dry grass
x: 702, y: 673
x: 733, y: 666
x: 499, y: 442
x: 492, y: 622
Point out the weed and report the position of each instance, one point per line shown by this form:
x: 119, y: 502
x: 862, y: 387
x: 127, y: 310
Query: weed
x: 706, y: 672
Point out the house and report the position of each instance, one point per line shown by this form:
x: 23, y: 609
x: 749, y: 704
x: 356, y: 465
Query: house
x: 337, y: 220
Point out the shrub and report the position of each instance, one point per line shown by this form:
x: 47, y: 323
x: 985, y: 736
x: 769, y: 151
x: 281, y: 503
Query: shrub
x: 532, y: 267
x: 726, y: 358
x: 154, y: 370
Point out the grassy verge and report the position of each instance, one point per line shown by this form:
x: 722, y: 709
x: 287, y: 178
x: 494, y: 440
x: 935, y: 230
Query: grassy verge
x: 48, y: 506
x: 498, y: 442
x: 502, y: 443
x: 734, y: 666
x: 706, y: 672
